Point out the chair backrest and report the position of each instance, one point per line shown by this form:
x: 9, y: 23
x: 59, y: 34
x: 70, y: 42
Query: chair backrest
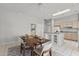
x: 46, y: 49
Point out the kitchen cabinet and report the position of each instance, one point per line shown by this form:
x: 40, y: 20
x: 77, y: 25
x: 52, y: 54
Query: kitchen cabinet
x: 71, y: 36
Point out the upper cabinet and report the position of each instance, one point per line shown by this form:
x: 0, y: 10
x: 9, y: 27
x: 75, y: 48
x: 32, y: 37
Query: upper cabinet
x: 68, y: 21
x: 67, y: 24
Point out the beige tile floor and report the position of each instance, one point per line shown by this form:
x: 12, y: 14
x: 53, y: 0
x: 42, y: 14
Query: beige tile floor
x: 4, y: 47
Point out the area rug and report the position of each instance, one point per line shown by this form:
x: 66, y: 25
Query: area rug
x: 15, y: 51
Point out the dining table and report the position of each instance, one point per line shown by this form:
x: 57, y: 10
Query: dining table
x: 34, y: 41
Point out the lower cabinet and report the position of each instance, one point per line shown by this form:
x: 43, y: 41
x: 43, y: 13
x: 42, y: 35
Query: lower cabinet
x: 71, y: 36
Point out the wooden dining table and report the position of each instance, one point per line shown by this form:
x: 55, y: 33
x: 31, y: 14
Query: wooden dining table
x: 34, y: 41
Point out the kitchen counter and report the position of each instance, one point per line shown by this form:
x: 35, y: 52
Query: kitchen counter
x: 70, y: 30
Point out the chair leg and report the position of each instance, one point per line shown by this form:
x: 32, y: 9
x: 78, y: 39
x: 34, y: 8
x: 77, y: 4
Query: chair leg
x: 21, y: 48
x: 23, y: 51
x: 31, y: 51
x: 50, y: 52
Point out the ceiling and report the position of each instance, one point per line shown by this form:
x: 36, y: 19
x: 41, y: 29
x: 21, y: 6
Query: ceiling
x: 40, y: 10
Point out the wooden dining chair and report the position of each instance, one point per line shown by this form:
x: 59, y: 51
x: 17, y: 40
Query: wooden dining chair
x: 43, y: 51
x: 24, y: 46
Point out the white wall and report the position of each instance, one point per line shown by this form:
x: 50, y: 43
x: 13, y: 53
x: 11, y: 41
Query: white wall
x: 15, y: 19
x: 15, y: 23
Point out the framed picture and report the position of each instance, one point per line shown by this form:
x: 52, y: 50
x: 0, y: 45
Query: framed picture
x: 33, y: 26
x: 33, y: 29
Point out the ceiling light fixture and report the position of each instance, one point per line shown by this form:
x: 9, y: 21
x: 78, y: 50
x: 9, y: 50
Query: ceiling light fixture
x: 61, y: 12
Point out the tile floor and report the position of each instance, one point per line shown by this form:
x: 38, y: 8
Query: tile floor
x: 68, y: 49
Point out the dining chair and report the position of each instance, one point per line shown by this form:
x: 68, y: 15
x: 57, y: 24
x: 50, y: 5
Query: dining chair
x: 43, y: 51
x: 24, y: 45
